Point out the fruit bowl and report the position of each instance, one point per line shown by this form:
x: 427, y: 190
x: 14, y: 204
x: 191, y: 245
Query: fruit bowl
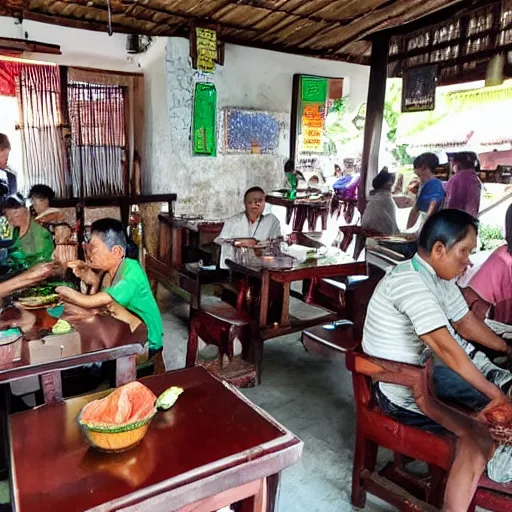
x: 116, y: 439
x: 120, y: 421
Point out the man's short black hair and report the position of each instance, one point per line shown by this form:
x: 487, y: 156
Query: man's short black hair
x: 448, y: 227
x: 111, y: 231
x: 13, y: 202
x: 253, y: 189
x: 466, y: 159
x: 429, y: 160
x: 289, y: 166
x: 43, y: 191
x: 4, y: 142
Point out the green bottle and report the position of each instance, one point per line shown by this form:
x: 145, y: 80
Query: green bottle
x: 292, y: 178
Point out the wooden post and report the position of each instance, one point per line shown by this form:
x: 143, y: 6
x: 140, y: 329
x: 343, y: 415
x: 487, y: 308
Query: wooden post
x: 374, y: 115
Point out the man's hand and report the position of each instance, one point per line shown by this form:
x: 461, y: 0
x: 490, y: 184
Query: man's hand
x: 39, y: 272
x: 249, y: 242
x: 84, y: 272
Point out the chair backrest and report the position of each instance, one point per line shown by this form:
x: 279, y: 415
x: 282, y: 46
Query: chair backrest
x: 356, y: 303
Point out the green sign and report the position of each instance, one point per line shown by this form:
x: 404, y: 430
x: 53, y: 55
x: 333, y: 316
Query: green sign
x: 204, y: 138
x: 313, y: 89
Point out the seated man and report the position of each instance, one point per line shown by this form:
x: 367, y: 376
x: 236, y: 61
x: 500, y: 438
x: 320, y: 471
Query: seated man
x: 250, y: 224
x: 128, y: 297
x: 416, y: 310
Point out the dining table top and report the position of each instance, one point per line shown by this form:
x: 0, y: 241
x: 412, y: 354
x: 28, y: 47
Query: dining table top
x: 308, y: 197
x: 211, y: 440
x: 329, y: 261
x: 94, y: 339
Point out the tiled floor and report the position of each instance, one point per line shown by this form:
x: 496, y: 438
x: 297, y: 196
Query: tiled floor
x: 312, y: 397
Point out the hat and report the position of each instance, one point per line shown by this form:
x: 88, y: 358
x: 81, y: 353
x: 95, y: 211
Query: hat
x: 384, y: 177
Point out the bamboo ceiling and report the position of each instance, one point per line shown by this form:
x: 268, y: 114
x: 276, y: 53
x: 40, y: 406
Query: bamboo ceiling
x: 333, y: 29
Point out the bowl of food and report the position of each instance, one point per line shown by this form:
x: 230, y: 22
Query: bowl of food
x: 119, y: 421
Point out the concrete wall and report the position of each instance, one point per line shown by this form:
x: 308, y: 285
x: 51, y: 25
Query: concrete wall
x: 83, y: 48
x: 250, y: 78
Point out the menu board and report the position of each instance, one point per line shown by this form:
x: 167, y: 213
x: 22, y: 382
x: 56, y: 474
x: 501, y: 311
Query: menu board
x: 313, y: 98
x: 419, y: 89
x: 204, y: 122
x: 313, y: 127
x: 206, y: 49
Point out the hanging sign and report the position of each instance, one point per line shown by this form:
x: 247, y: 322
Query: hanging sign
x: 314, y: 89
x: 203, y: 129
x: 313, y: 127
x: 419, y: 89
x: 204, y: 49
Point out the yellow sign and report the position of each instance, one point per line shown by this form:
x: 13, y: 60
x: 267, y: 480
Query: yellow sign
x: 312, y: 128
x: 206, y: 47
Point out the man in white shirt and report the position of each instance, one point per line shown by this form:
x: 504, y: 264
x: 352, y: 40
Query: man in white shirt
x: 416, y: 310
x: 252, y: 224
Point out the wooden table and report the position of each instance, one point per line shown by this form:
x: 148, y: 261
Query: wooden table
x: 273, y: 280
x: 183, y: 240
x: 213, y: 448
x: 97, y: 339
x: 303, y: 207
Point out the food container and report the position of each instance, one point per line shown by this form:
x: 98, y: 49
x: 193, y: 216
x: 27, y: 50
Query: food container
x: 118, y: 439
x: 114, y: 438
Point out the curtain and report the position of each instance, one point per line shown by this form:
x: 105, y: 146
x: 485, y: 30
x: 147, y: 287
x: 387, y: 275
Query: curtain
x: 98, y: 139
x: 8, y: 74
x: 44, y: 158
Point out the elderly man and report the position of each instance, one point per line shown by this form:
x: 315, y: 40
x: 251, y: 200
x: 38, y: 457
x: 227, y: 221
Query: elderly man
x: 128, y: 297
x: 251, y: 224
x: 417, y: 310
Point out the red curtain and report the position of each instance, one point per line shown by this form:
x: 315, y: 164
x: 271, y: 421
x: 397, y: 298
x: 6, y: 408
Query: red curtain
x: 8, y: 73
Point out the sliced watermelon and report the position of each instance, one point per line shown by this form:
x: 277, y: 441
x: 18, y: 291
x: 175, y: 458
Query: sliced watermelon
x: 128, y: 404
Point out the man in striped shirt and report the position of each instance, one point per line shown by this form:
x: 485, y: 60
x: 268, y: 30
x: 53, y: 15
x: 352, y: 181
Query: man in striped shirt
x: 417, y: 311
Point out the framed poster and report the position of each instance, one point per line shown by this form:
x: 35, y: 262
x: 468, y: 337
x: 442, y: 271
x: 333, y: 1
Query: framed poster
x: 250, y: 132
x: 419, y: 89
x: 204, y: 120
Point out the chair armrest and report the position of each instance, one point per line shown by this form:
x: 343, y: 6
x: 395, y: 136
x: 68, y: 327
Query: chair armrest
x: 418, y: 379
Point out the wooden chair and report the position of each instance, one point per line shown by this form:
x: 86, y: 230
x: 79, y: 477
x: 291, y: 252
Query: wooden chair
x: 375, y: 429
x: 346, y: 235
x: 347, y: 337
x: 218, y: 323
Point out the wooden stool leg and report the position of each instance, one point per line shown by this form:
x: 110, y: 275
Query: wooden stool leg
x: 52, y: 387
x: 192, y: 345
x: 126, y: 370
x: 437, y: 485
x: 365, y: 457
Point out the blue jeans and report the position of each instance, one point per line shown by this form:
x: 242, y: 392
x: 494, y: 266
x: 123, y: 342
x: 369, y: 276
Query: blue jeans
x: 449, y: 387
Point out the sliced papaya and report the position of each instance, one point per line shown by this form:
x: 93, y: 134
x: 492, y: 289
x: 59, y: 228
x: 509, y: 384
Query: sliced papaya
x: 130, y: 403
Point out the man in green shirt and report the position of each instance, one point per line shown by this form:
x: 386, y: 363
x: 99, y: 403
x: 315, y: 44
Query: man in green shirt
x: 129, y: 295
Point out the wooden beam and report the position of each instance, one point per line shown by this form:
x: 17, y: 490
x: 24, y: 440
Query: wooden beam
x: 26, y: 45
x: 374, y: 115
x: 76, y: 23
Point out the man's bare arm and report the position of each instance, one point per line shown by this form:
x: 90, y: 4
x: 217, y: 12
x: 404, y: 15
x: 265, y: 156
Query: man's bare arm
x: 473, y: 329
x: 97, y: 300
x: 451, y: 353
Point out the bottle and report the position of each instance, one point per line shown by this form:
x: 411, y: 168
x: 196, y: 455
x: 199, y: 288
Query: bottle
x: 292, y: 178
